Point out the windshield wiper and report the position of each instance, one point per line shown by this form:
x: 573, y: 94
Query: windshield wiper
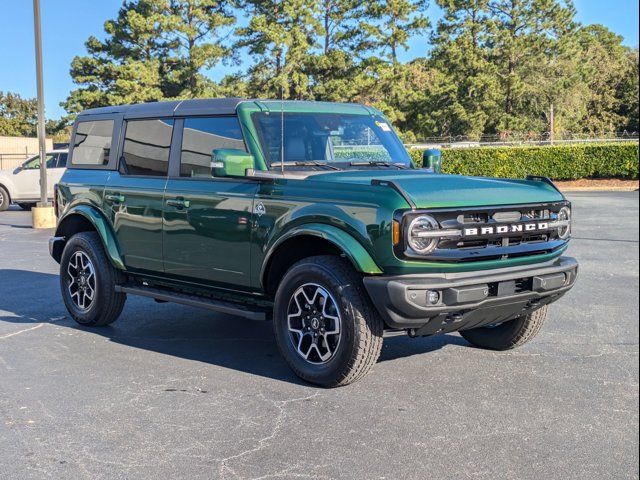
x: 378, y: 163
x: 305, y: 164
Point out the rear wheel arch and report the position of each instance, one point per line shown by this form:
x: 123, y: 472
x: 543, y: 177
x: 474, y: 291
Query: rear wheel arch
x: 86, y: 219
x: 309, y: 241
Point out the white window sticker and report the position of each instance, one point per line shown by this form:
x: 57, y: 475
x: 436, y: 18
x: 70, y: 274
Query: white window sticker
x: 384, y: 126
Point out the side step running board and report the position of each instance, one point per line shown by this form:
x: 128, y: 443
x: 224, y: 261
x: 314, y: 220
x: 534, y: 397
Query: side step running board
x: 193, y: 301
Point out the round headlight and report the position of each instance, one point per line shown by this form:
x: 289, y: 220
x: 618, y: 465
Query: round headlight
x: 422, y: 238
x: 564, y: 215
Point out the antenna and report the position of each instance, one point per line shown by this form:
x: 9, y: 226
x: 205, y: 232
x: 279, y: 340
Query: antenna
x: 282, y: 129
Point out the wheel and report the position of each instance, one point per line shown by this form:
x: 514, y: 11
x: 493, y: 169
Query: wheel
x: 4, y: 199
x: 507, y: 335
x: 26, y: 206
x: 324, y: 323
x: 88, y: 280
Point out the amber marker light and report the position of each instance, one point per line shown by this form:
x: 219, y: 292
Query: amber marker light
x: 396, y: 232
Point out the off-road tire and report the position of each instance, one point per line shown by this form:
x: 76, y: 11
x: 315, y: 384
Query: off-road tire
x: 5, y: 201
x: 507, y: 335
x: 107, y: 304
x: 361, y: 326
x: 26, y: 206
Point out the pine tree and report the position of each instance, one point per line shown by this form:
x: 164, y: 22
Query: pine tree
x: 526, y: 39
x: 336, y: 67
x: 195, y: 29
x: 281, y: 35
x: 129, y: 66
x: 393, y: 23
x: 461, y: 54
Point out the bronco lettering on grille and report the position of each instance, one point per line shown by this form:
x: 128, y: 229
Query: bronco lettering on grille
x: 505, y: 229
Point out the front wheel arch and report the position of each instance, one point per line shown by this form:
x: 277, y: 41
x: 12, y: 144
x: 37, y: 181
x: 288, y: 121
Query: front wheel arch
x: 83, y: 219
x: 313, y: 240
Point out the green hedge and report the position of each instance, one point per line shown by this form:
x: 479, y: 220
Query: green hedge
x: 559, y: 162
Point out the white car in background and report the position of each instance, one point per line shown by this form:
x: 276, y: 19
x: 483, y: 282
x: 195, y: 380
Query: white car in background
x: 22, y: 185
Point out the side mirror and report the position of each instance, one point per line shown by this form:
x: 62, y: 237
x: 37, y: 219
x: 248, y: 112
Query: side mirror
x: 17, y: 170
x: 432, y: 159
x: 227, y: 162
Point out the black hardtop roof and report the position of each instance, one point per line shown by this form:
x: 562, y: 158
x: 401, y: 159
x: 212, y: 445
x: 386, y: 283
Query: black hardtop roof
x: 199, y: 106
x: 221, y: 106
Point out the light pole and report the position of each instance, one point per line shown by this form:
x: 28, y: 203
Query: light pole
x: 43, y: 214
x: 42, y: 139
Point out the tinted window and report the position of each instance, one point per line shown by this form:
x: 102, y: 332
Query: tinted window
x: 146, y: 147
x: 34, y: 163
x: 345, y: 140
x: 92, y: 143
x: 203, y: 135
x: 62, y: 160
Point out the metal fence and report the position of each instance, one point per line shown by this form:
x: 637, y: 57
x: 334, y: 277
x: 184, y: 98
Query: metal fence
x: 515, y: 139
x: 13, y: 160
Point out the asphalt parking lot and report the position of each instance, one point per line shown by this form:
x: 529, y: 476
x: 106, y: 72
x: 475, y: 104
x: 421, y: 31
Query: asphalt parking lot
x: 173, y: 392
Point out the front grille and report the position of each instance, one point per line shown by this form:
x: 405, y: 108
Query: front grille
x: 496, y: 246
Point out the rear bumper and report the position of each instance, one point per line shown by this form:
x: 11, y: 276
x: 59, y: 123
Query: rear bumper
x: 470, y: 299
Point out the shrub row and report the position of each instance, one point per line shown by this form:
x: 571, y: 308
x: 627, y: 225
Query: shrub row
x: 559, y: 162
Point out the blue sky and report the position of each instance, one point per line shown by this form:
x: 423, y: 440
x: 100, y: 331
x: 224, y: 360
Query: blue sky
x: 66, y: 24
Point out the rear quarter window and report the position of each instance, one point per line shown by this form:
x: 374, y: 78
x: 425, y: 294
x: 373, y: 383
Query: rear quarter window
x: 92, y: 143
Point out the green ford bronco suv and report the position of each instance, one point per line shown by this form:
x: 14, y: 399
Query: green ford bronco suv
x: 309, y: 214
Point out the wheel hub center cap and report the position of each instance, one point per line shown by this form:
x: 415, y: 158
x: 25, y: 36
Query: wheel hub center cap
x: 315, y: 323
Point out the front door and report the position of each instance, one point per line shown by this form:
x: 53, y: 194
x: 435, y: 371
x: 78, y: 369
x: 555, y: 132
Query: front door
x: 27, y: 179
x: 134, y: 194
x: 207, y: 220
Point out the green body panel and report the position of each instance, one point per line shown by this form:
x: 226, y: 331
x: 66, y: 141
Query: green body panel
x: 136, y: 218
x: 352, y: 248
x: 235, y: 162
x: 102, y: 226
x: 229, y: 228
x: 209, y: 240
x: 439, y: 191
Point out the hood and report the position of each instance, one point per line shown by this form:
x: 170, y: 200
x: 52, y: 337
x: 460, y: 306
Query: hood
x: 428, y: 190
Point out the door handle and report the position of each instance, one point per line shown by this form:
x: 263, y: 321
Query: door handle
x: 179, y: 203
x: 115, y: 198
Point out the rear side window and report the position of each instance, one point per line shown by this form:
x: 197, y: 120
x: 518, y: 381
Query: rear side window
x: 92, y: 143
x: 200, y: 136
x: 146, y: 147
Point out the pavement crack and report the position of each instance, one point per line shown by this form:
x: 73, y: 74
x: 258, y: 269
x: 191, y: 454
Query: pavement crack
x: 224, y: 469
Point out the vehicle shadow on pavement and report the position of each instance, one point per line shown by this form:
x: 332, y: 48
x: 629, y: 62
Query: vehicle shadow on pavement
x: 188, y: 333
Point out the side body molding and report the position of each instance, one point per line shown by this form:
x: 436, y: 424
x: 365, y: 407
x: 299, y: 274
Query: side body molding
x: 352, y: 248
x: 101, y: 225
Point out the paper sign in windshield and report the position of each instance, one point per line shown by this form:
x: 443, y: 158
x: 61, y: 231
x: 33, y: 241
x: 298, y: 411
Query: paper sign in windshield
x: 384, y: 126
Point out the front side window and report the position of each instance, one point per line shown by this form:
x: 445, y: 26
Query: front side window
x: 146, y: 147
x: 341, y: 140
x: 34, y: 163
x: 201, y: 136
x: 92, y: 143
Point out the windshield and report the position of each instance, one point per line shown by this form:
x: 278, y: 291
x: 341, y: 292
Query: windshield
x: 329, y: 140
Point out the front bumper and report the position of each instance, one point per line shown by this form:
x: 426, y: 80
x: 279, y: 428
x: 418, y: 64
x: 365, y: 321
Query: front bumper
x: 470, y: 299
x: 56, y: 246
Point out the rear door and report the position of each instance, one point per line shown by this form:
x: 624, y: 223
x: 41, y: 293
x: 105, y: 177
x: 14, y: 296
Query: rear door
x: 134, y: 194
x: 55, y: 171
x: 207, y: 220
